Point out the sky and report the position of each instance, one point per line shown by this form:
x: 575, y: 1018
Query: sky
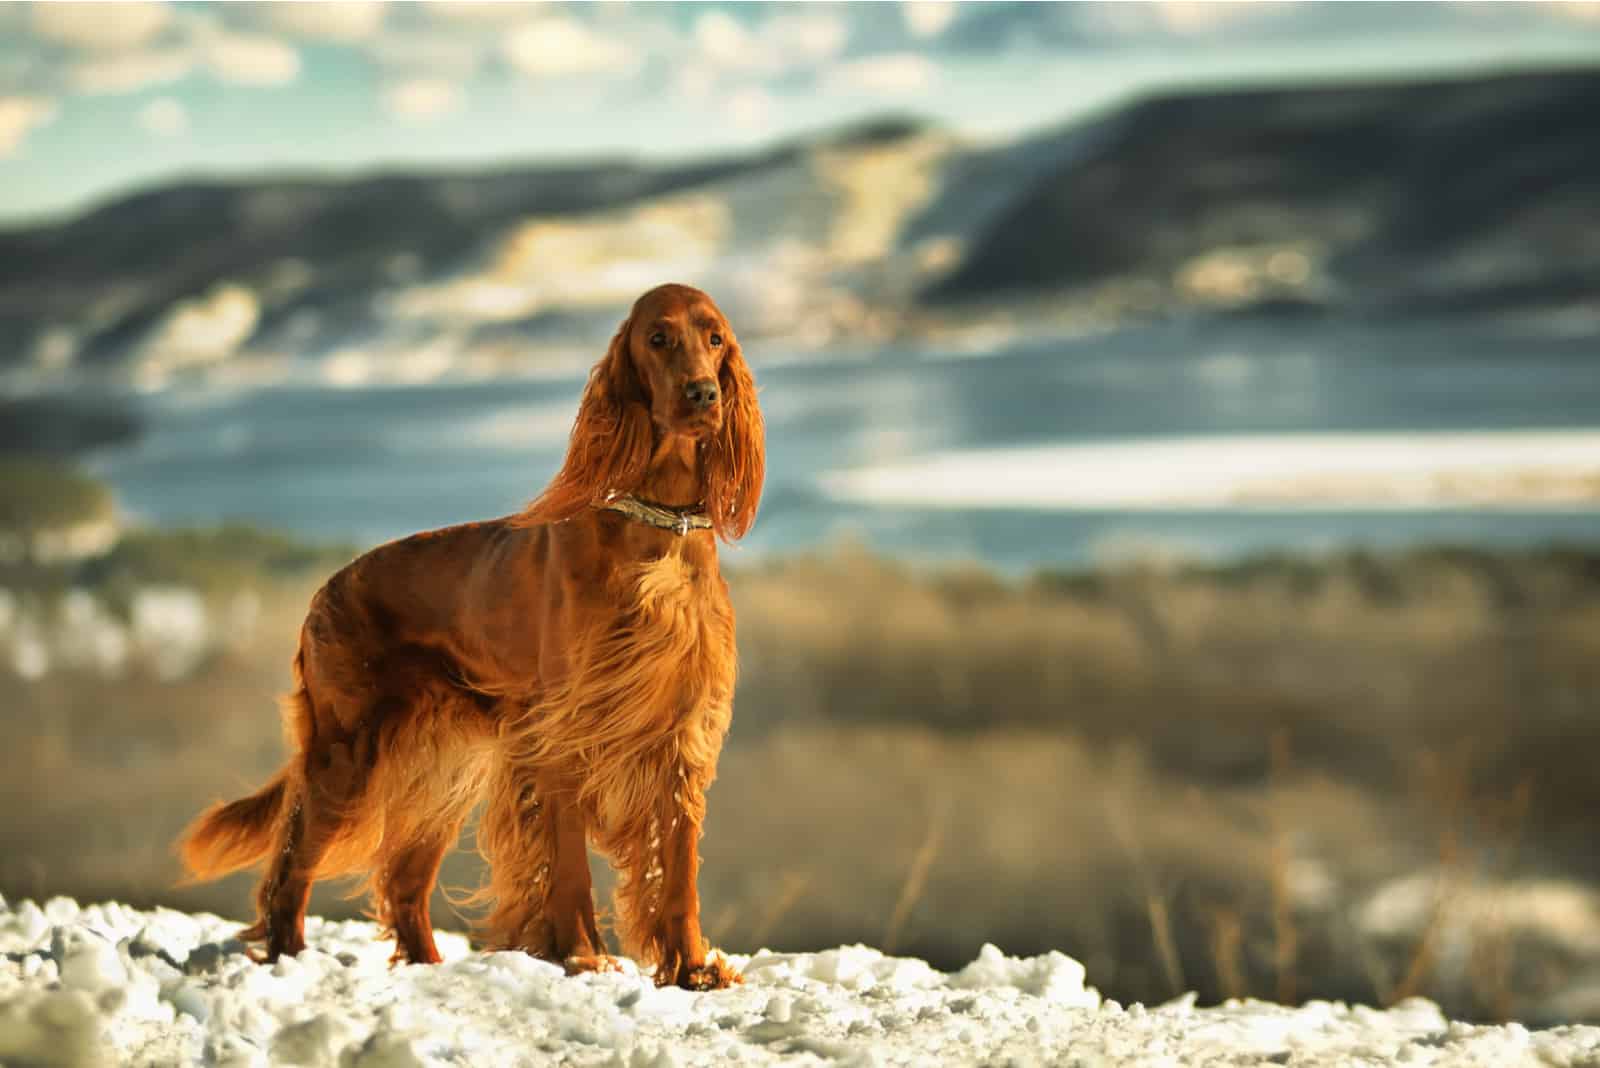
x: 99, y: 99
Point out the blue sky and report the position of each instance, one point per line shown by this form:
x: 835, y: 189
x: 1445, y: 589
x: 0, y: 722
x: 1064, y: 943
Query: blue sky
x: 96, y: 99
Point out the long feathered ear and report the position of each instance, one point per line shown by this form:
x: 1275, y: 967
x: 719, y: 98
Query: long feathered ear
x: 736, y: 459
x: 610, y: 445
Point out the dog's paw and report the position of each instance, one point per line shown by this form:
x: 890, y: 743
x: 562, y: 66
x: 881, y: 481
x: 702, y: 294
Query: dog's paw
x: 278, y: 943
x: 595, y: 962
x: 419, y: 955
x: 717, y: 973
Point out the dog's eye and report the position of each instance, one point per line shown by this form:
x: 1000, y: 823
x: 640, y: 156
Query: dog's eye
x: 716, y: 341
x: 658, y: 339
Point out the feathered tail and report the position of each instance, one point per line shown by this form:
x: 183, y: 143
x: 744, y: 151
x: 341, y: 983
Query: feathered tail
x: 234, y: 835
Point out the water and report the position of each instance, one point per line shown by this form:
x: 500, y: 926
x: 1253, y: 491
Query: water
x: 374, y: 463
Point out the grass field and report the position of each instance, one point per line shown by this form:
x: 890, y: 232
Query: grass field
x: 1354, y: 776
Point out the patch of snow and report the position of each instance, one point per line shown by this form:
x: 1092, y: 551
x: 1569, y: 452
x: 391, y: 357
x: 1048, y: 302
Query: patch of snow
x: 171, y: 630
x: 30, y: 659
x: 200, y: 331
x: 1559, y: 912
x: 1548, y: 920
x: 1500, y: 468
x: 102, y: 984
x: 1053, y: 977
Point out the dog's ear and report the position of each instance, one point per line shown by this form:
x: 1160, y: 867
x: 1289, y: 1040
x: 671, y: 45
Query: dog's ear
x: 610, y: 445
x: 736, y: 458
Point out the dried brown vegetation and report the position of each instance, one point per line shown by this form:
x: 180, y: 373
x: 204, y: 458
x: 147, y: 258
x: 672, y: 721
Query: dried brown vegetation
x: 1081, y: 762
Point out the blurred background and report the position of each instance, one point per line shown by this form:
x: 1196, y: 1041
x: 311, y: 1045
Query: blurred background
x: 1181, y: 544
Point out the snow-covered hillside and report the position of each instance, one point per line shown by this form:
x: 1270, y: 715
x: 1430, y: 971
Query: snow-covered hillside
x: 106, y: 984
x: 1269, y: 200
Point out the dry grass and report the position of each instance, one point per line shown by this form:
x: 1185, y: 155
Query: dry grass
x: 1363, y: 662
x: 1086, y: 763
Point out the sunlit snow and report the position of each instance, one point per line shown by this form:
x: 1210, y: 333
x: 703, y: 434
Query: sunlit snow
x: 108, y: 984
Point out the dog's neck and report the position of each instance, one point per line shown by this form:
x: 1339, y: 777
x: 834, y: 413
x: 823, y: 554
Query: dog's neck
x: 674, y: 477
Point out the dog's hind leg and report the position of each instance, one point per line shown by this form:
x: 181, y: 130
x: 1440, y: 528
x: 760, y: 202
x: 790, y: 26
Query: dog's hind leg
x: 404, y: 887
x: 314, y: 819
x: 321, y: 815
x: 426, y: 797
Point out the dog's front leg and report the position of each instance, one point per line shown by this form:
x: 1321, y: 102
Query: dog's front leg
x: 570, y: 905
x: 533, y: 834
x: 663, y: 902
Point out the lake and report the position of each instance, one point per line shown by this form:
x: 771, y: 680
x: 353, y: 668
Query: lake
x: 372, y: 463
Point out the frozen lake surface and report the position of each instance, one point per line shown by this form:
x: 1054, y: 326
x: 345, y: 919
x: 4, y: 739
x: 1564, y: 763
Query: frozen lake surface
x: 1101, y: 431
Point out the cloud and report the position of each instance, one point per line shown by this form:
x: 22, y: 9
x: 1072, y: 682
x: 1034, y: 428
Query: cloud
x: 734, y: 55
x: 422, y: 99
x: 695, y: 82
x: 100, y: 26
x: 126, y: 47
x: 20, y: 116
x: 481, y: 12
x: 810, y: 37
x: 724, y: 39
x: 1180, y: 18
x: 130, y: 71
x: 164, y: 117
x: 750, y: 108
x: 889, y: 73
x: 431, y: 52
x: 555, y: 46
x: 1581, y: 10
x: 252, y: 59
x: 1201, y: 16
x: 328, y: 20
x: 927, y: 18
x: 195, y: 39
x: 776, y: 44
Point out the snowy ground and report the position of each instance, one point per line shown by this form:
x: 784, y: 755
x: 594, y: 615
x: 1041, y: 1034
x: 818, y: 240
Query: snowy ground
x: 106, y: 984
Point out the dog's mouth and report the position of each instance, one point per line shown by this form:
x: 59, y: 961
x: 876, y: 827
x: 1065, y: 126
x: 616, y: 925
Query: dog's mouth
x: 698, y: 425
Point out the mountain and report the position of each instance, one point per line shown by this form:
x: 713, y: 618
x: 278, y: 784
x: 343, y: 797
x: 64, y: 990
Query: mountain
x: 1441, y: 198
x: 1466, y: 197
x: 428, y: 268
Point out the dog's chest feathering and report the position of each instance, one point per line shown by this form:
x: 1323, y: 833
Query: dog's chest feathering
x: 683, y: 617
x: 666, y: 591
x: 649, y: 691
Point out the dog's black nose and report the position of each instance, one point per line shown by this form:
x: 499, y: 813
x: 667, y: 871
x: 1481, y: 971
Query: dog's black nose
x: 702, y: 393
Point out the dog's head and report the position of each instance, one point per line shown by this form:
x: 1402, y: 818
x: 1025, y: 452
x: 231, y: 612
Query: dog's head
x: 674, y: 368
x: 676, y: 345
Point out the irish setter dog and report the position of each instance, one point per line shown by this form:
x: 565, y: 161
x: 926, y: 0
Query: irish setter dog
x: 570, y: 667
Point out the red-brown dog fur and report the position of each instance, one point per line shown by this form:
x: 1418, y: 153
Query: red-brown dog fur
x: 568, y: 667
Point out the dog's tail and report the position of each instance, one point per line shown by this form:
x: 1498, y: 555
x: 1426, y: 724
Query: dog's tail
x: 233, y: 835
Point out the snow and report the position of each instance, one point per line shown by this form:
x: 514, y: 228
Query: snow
x: 103, y: 984
x: 169, y: 630
x: 1489, y: 468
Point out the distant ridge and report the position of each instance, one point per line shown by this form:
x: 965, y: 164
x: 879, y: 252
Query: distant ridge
x: 1471, y: 196
x: 1450, y: 195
